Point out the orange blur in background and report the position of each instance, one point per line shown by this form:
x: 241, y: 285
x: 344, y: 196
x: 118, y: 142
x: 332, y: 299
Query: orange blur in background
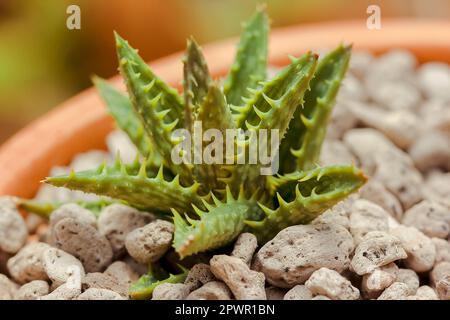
x: 42, y: 63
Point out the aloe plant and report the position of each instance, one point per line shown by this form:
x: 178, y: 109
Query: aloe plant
x: 211, y: 204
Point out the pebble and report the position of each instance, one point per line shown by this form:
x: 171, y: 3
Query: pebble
x: 297, y: 251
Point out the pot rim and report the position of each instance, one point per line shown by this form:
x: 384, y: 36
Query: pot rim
x: 81, y: 123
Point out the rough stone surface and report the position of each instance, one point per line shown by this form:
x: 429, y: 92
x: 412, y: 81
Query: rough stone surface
x: 13, y: 230
x: 396, y: 291
x: 443, y: 288
x: 337, y: 215
x: 375, y: 192
x: 123, y: 273
x: 296, y: 252
x: 60, y: 265
x: 104, y: 281
x: 299, y: 292
x: 320, y: 297
x: 375, y: 250
x: 366, y: 217
x: 170, y: 291
x: 84, y: 242
x: 117, y: 220
x: 64, y: 292
x: 410, y: 278
x: 381, y: 278
x: 389, y: 165
x: 149, y: 243
x: 213, y: 290
x: 442, y: 249
x: 424, y: 293
x: 431, y: 150
x: 27, y: 264
x: 419, y: 248
x: 439, y: 271
x: 335, y: 152
x: 8, y: 289
x: 245, y: 247
x: 32, y: 290
x: 245, y: 284
x: 331, y: 284
x: 74, y: 211
x: 200, y: 274
x: 99, y: 294
x: 429, y: 217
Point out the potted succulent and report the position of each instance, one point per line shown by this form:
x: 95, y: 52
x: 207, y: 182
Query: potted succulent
x: 212, y: 204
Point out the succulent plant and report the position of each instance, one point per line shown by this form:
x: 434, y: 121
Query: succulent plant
x: 211, y: 204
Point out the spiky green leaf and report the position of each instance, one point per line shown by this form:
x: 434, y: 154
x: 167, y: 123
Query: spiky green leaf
x: 143, y: 288
x: 302, y: 196
x: 159, y: 106
x: 213, y: 116
x: 130, y: 184
x: 273, y: 105
x: 217, y: 226
x: 196, y: 81
x: 249, y: 66
x: 301, y: 146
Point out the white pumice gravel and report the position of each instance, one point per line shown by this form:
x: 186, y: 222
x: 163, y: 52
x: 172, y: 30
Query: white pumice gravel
x: 213, y: 290
x: 123, y: 273
x: 430, y: 217
x: 374, y: 191
x: 424, y: 293
x: 375, y: 282
x: 420, y: 250
x: 60, y: 266
x: 335, y: 152
x: 32, y: 290
x: 199, y: 275
x: 366, y: 217
x: 431, y: 150
x: 245, y: 284
x: 27, y: 265
x: 439, y: 272
x: 296, y: 252
x: 375, y: 250
x: 299, y: 292
x: 8, y: 289
x: 245, y: 247
x: 116, y: 221
x: 389, y: 241
x: 442, y: 249
x: 84, y: 242
x: 99, y: 294
x: 13, y: 230
x: 74, y: 211
x: 410, y: 278
x: 66, y: 291
x: 171, y: 291
x: 104, y: 281
x: 149, y: 243
x: 396, y: 291
x: 331, y: 284
x: 443, y: 288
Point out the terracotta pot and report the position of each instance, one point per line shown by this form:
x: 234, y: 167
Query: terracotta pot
x: 81, y: 123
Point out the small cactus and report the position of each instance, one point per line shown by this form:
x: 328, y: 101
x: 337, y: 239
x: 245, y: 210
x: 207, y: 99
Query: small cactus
x: 211, y: 204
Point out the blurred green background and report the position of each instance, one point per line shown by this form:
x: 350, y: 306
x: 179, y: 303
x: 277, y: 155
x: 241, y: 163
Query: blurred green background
x: 42, y: 63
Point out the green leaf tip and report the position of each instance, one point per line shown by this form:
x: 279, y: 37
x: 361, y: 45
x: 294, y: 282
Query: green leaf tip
x: 143, y: 288
x: 249, y: 66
